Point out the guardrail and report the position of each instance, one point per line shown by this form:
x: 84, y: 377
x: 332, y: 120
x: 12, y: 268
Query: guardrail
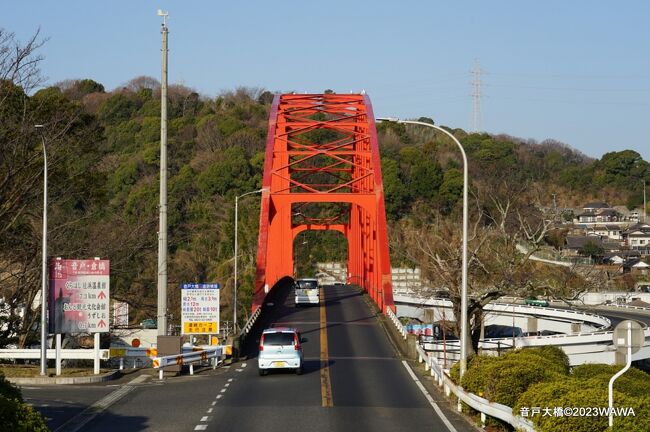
x: 625, y: 306
x: 482, y: 405
x: 66, y: 354
x: 121, y: 353
x: 216, y: 353
x: 578, y: 347
x: 93, y: 354
x: 596, y: 319
x: 251, y: 322
x: 396, y: 322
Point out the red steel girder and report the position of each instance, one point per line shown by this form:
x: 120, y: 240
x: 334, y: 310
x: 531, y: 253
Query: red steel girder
x: 322, y: 148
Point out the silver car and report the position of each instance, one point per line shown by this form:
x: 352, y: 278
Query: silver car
x: 280, y: 349
x: 307, y: 291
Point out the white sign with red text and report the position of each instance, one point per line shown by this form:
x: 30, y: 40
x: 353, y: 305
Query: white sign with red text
x: 79, y: 296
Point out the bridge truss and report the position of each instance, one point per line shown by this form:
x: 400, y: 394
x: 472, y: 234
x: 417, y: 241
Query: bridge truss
x: 322, y: 172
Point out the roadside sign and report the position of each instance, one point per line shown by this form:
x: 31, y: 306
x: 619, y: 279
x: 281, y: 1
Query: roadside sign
x: 621, y: 339
x: 79, y: 296
x: 199, y: 308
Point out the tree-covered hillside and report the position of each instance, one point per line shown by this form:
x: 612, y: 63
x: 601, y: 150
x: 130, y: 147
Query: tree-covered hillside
x: 103, y: 159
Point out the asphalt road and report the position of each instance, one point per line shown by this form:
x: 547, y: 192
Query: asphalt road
x: 353, y: 380
x: 616, y: 315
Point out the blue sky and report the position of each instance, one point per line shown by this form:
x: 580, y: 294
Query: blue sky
x: 574, y: 71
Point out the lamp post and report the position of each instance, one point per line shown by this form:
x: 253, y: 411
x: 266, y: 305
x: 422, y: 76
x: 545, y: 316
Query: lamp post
x: 234, y: 307
x: 464, y: 337
x: 44, y: 262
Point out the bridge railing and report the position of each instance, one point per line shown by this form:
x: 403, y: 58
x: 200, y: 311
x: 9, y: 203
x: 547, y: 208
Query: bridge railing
x: 396, y: 322
x: 251, y: 322
x: 482, y: 405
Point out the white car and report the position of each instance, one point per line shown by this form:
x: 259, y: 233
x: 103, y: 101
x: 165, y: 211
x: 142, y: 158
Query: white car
x: 280, y: 349
x: 307, y: 291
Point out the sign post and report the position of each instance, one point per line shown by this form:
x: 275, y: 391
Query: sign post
x: 628, y: 338
x: 80, y: 298
x: 200, y: 308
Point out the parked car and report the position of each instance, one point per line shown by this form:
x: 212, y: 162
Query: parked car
x: 280, y: 349
x: 307, y: 291
x: 532, y: 301
x: 149, y: 323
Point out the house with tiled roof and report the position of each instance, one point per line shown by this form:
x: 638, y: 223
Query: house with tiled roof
x: 607, y: 230
x: 598, y: 212
x: 573, y: 244
x: 637, y: 236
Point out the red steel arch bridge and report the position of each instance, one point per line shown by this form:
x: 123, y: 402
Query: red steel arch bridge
x: 322, y: 172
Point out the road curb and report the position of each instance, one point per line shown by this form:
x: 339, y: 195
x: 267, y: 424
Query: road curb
x: 64, y: 380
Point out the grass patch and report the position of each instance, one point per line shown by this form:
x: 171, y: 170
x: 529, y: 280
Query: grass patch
x: 29, y: 371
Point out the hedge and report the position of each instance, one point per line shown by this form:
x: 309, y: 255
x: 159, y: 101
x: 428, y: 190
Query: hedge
x: 575, y: 392
x: 503, y: 379
x: 15, y: 415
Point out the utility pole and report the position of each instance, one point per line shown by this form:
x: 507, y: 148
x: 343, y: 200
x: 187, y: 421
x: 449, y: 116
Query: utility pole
x: 644, y: 203
x: 476, y: 96
x: 44, y: 292
x: 162, y: 230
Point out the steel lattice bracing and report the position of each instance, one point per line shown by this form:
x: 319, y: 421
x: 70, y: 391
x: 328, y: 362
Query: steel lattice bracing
x: 322, y: 151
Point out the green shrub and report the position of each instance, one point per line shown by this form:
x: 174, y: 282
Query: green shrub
x: 507, y: 379
x: 474, y: 380
x: 8, y: 390
x: 15, y: 415
x: 503, y: 379
x: 578, y: 393
x: 552, y: 357
x: 633, y: 382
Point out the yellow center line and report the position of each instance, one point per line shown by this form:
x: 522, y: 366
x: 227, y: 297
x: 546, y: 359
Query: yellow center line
x: 325, y: 383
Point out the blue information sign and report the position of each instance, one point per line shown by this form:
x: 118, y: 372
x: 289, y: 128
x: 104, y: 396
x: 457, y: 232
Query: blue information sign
x: 200, y: 286
x: 200, y: 308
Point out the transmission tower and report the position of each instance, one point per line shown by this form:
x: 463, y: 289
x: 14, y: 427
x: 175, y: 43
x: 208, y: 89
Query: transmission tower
x: 476, y: 96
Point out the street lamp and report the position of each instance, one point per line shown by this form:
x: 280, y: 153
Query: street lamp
x: 234, y: 308
x: 463, y: 308
x: 44, y: 262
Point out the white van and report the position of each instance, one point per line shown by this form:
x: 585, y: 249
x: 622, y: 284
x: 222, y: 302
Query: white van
x: 307, y: 291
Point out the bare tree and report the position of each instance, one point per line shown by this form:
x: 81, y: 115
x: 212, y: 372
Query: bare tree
x: 497, y: 264
x: 18, y: 62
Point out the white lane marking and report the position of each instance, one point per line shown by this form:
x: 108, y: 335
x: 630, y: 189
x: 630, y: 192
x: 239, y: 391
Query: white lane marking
x: 77, y: 422
x: 223, y: 390
x: 229, y: 379
x: 244, y: 365
x: 239, y: 370
x: 209, y: 411
x: 206, y: 418
x: 218, y: 397
x: 201, y: 427
x: 214, y: 403
x: 226, y: 384
x: 426, y: 394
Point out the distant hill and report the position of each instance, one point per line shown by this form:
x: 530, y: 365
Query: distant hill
x: 105, y: 164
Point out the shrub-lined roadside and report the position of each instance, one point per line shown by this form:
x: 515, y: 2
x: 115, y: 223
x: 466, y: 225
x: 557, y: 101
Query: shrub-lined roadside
x: 541, y: 378
x: 15, y: 414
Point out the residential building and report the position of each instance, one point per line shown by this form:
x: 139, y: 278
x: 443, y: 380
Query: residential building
x: 637, y: 236
x: 598, y: 212
x: 608, y: 230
